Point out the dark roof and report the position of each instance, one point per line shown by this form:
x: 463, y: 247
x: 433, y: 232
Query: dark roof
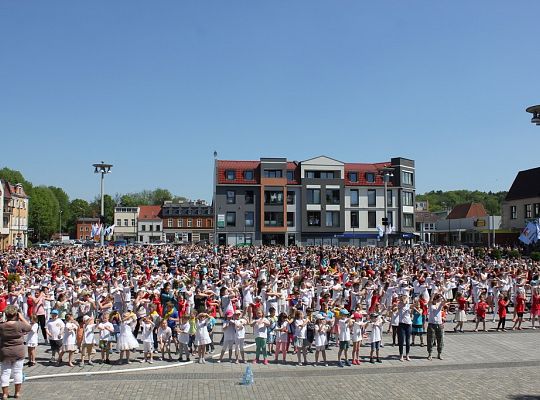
x: 83, y: 220
x: 526, y: 185
x: 467, y: 210
x: 426, y: 216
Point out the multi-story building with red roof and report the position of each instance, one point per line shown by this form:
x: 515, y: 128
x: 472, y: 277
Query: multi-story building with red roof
x: 316, y: 201
x: 149, y: 225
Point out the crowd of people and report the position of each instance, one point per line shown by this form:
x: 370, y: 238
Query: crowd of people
x: 167, y: 300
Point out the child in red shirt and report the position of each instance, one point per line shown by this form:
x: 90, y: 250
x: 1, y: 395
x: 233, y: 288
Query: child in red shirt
x: 520, y: 310
x: 481, y: 309
x: 502, y: 303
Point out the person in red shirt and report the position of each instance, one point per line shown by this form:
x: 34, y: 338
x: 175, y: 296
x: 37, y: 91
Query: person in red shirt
x: 520, y: 309
x: 460, y: 316
x: 535, y: 306
x: 481, y: 309
x: 502, y: 304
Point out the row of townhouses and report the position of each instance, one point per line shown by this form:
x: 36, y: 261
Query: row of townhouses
x: 188, y: 222
x: 14, y: 211
x: 316, y: 201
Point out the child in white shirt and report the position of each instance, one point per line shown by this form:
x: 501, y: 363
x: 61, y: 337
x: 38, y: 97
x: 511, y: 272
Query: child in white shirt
x: 184, y: 328
x: 88, y: 339
x: 106, y: 332
x: 164, y: 335
x: 32, y: 341
x: 147, y: 339
x: 375, y: 336
x: 357, y: 331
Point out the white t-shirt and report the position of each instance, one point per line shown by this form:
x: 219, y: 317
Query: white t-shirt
x: 32, y: 337
x: 343, y: 329
x: 260, y: 329
x: 165, y: 334
x: 299, y: 330
x: 240, y: 328
x: 357, y: 331
x: 55, y: 328
x: 229, y: 331
x: 376, y: 333
x: 70, y: 334
x: 320, y: 335
x: 183, y: 329
x: 147, y: 336
x: 88, y: 337
x: 282, y: 337
x: 104, y: 333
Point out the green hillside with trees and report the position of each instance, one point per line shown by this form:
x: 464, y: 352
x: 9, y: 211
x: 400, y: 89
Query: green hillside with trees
x: 440, y: 201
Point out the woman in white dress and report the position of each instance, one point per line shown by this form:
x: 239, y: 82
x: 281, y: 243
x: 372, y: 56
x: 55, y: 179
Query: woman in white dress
x: 126, y: 341
x: 202, y: 336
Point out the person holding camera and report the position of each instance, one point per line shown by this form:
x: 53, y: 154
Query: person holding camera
x: 12, y: 349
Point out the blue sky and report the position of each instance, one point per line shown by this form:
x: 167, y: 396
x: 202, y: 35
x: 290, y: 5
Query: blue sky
x: 155, y: 87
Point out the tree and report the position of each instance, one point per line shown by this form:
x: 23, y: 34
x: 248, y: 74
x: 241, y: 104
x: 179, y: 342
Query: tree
x: 159, y: 196
x: 44, y: 213
x: 440, y: 201
x: 63, y: 202
x: 78, y: 208
x: 13, y: 176
x: 109, y: 206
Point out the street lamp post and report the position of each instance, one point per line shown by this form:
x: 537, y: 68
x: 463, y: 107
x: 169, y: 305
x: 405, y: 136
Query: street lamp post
x: 535, y: 111
x: 386, y: 174
x: 102, y: 169
x: 60, y: 230
x: 214, y: 199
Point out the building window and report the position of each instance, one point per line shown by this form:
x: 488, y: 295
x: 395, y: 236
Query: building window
x: 314, y: 196
x: 332, y: 196
x: 248, y: 198
x: 230, y: 175
x: 126, y: 222
x: 354, y: 198
x: 189, y: 223
x: 230, y: 218
x: 353, y: 176
x: 119, y: 222
x: 248, y: 175
x: 169, y: 223
x: 320, y: 174
x: 355, y: 223
x: 231, y: 197
x: 407, y: 198
x: 273, y: 218
x: 528, y: 210
x: 180, y: 223
x: 513, y: 212
x: 536, y: 210
x: 158, y: 228
x: 372, y: 198
x: 290, y: 176
x: 140, y: 238
x: 290, y: 197
x: 407, y: 178
x: 199, y: 223
x: 332, y: 218
x: 371, y: 219
x: 370, y: 177
x: 390, y: 216
x: 273, y: 173
x: 82, y: 229
x: 314, y: 218
x: 249, y: 218
x: 273, y: 197
x: 151, y: 227
x: 132, y: 222
x: 143, y: 228
x: 389, y: 199
x: 408, y: 220
x: 290, y: 219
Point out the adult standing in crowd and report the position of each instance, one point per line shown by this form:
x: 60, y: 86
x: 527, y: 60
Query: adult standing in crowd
x: 12, y: 349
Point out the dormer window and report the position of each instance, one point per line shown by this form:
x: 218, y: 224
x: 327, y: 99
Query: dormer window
x: 248, y: 175
x: 230, y: 175
x: 370, y: 177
